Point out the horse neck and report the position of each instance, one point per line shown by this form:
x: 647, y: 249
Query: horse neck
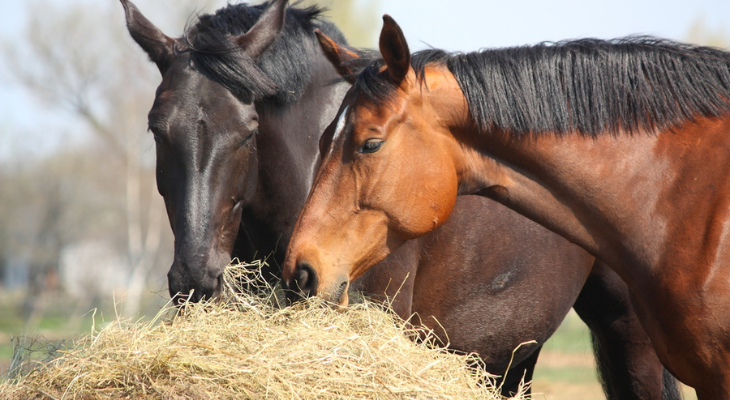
x: 637, y: 201
x: 288, y: 152
x: 582, y: 188
x: 632, y: 200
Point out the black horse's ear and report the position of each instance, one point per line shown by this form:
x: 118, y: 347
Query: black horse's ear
x: 156, y: 44
x: 394, y: 48
x: 264, y: 31
x: 340, y: 57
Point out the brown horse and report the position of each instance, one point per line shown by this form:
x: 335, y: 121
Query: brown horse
x: 620, y: 146
x: 244, y: 97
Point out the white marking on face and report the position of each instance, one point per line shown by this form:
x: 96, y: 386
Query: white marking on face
x: 325, y: 119
x: 338, y: 128
x: 340, y: 124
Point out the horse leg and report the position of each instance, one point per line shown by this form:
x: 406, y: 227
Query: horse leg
x: 519, y: 373
x: 627, y: 362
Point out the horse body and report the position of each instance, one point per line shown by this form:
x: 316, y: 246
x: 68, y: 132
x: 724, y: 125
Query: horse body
x: 235, y: 161
x: 452, y: 288
x: 442, y: 279
x: 666, y: 240
x: 655, y: 208
x: 636, y: 178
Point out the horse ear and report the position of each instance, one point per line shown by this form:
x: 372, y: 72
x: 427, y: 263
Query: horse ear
x: 264, y: 31
x: 394, y: 48
x: 340, y: 57
x: 156, y: 44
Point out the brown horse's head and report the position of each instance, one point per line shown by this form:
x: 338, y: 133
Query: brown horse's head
x: 205, y: 135
x: 367, y: 198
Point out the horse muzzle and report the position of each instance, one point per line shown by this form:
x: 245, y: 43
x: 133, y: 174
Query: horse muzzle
x: 306, y: 282
x: 187, y: 284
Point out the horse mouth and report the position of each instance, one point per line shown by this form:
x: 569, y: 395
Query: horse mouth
x: 197, y: 295
x: 339, y: 297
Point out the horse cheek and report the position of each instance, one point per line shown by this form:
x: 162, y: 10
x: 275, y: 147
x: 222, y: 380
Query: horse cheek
x: 441, y: 189
x: 429, y: 204
x: 445, y: 200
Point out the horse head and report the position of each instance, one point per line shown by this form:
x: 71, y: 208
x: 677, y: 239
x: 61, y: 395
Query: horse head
x: 368, y: 199
x: 205, y: 130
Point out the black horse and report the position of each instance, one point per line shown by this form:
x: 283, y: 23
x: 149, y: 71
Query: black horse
x: 245, y: 95
x: 236, y: 121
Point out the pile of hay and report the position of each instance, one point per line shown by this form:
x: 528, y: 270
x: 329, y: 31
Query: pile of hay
x: 248, y: 347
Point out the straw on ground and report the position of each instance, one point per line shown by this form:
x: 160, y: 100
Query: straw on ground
x: 247, y: 347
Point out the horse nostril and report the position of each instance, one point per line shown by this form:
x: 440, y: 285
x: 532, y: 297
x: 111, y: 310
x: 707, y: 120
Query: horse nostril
x: 305, y: 280
x: 340, y: 292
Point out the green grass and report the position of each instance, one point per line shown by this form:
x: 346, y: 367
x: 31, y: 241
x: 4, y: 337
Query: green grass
x: 9, y: 317
x: 6, y: 353
x: 568, y: 375
x: 572, y: 336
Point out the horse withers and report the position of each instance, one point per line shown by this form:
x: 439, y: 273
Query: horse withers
x: 620, y: 146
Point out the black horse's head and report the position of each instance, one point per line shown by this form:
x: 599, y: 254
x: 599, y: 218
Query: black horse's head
x: 205, y: 124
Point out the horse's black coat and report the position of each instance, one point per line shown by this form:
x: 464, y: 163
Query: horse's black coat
x: 282, y: 71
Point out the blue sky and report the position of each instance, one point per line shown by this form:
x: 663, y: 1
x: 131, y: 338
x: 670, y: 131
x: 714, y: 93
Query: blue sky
x: 470, y: 25
x: 462, y: 25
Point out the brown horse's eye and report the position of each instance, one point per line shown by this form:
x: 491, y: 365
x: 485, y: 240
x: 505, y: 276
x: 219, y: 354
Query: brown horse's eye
x: 371, y: 146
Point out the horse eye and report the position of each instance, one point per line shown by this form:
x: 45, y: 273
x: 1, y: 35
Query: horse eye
x: 248, y: 138
x: 371, y: 146
x: 156, y: 135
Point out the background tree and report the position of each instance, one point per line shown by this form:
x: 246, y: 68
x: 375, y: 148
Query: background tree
x: 700, y: 33
x: 77, y: 59
x: 358, y: 20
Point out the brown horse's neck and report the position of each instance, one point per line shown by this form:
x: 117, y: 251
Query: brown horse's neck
x: 624, y: 198
x: 582, y: 188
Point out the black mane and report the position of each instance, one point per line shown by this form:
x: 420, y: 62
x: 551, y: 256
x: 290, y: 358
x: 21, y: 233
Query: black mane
x: 591, y: 86
x: 282, y: 71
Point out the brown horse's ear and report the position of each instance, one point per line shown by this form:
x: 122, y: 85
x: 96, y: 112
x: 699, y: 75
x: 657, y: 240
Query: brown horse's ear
x: 156, y: 44
x: 264, y: 31
x: 340, y: 57
x: 394, y: 48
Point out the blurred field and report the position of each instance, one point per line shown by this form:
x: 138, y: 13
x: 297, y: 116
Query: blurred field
x: 55, y: 319
x: 565, y: 371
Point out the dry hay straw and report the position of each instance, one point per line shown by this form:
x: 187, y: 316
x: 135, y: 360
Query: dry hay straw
x: 247, y: 347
